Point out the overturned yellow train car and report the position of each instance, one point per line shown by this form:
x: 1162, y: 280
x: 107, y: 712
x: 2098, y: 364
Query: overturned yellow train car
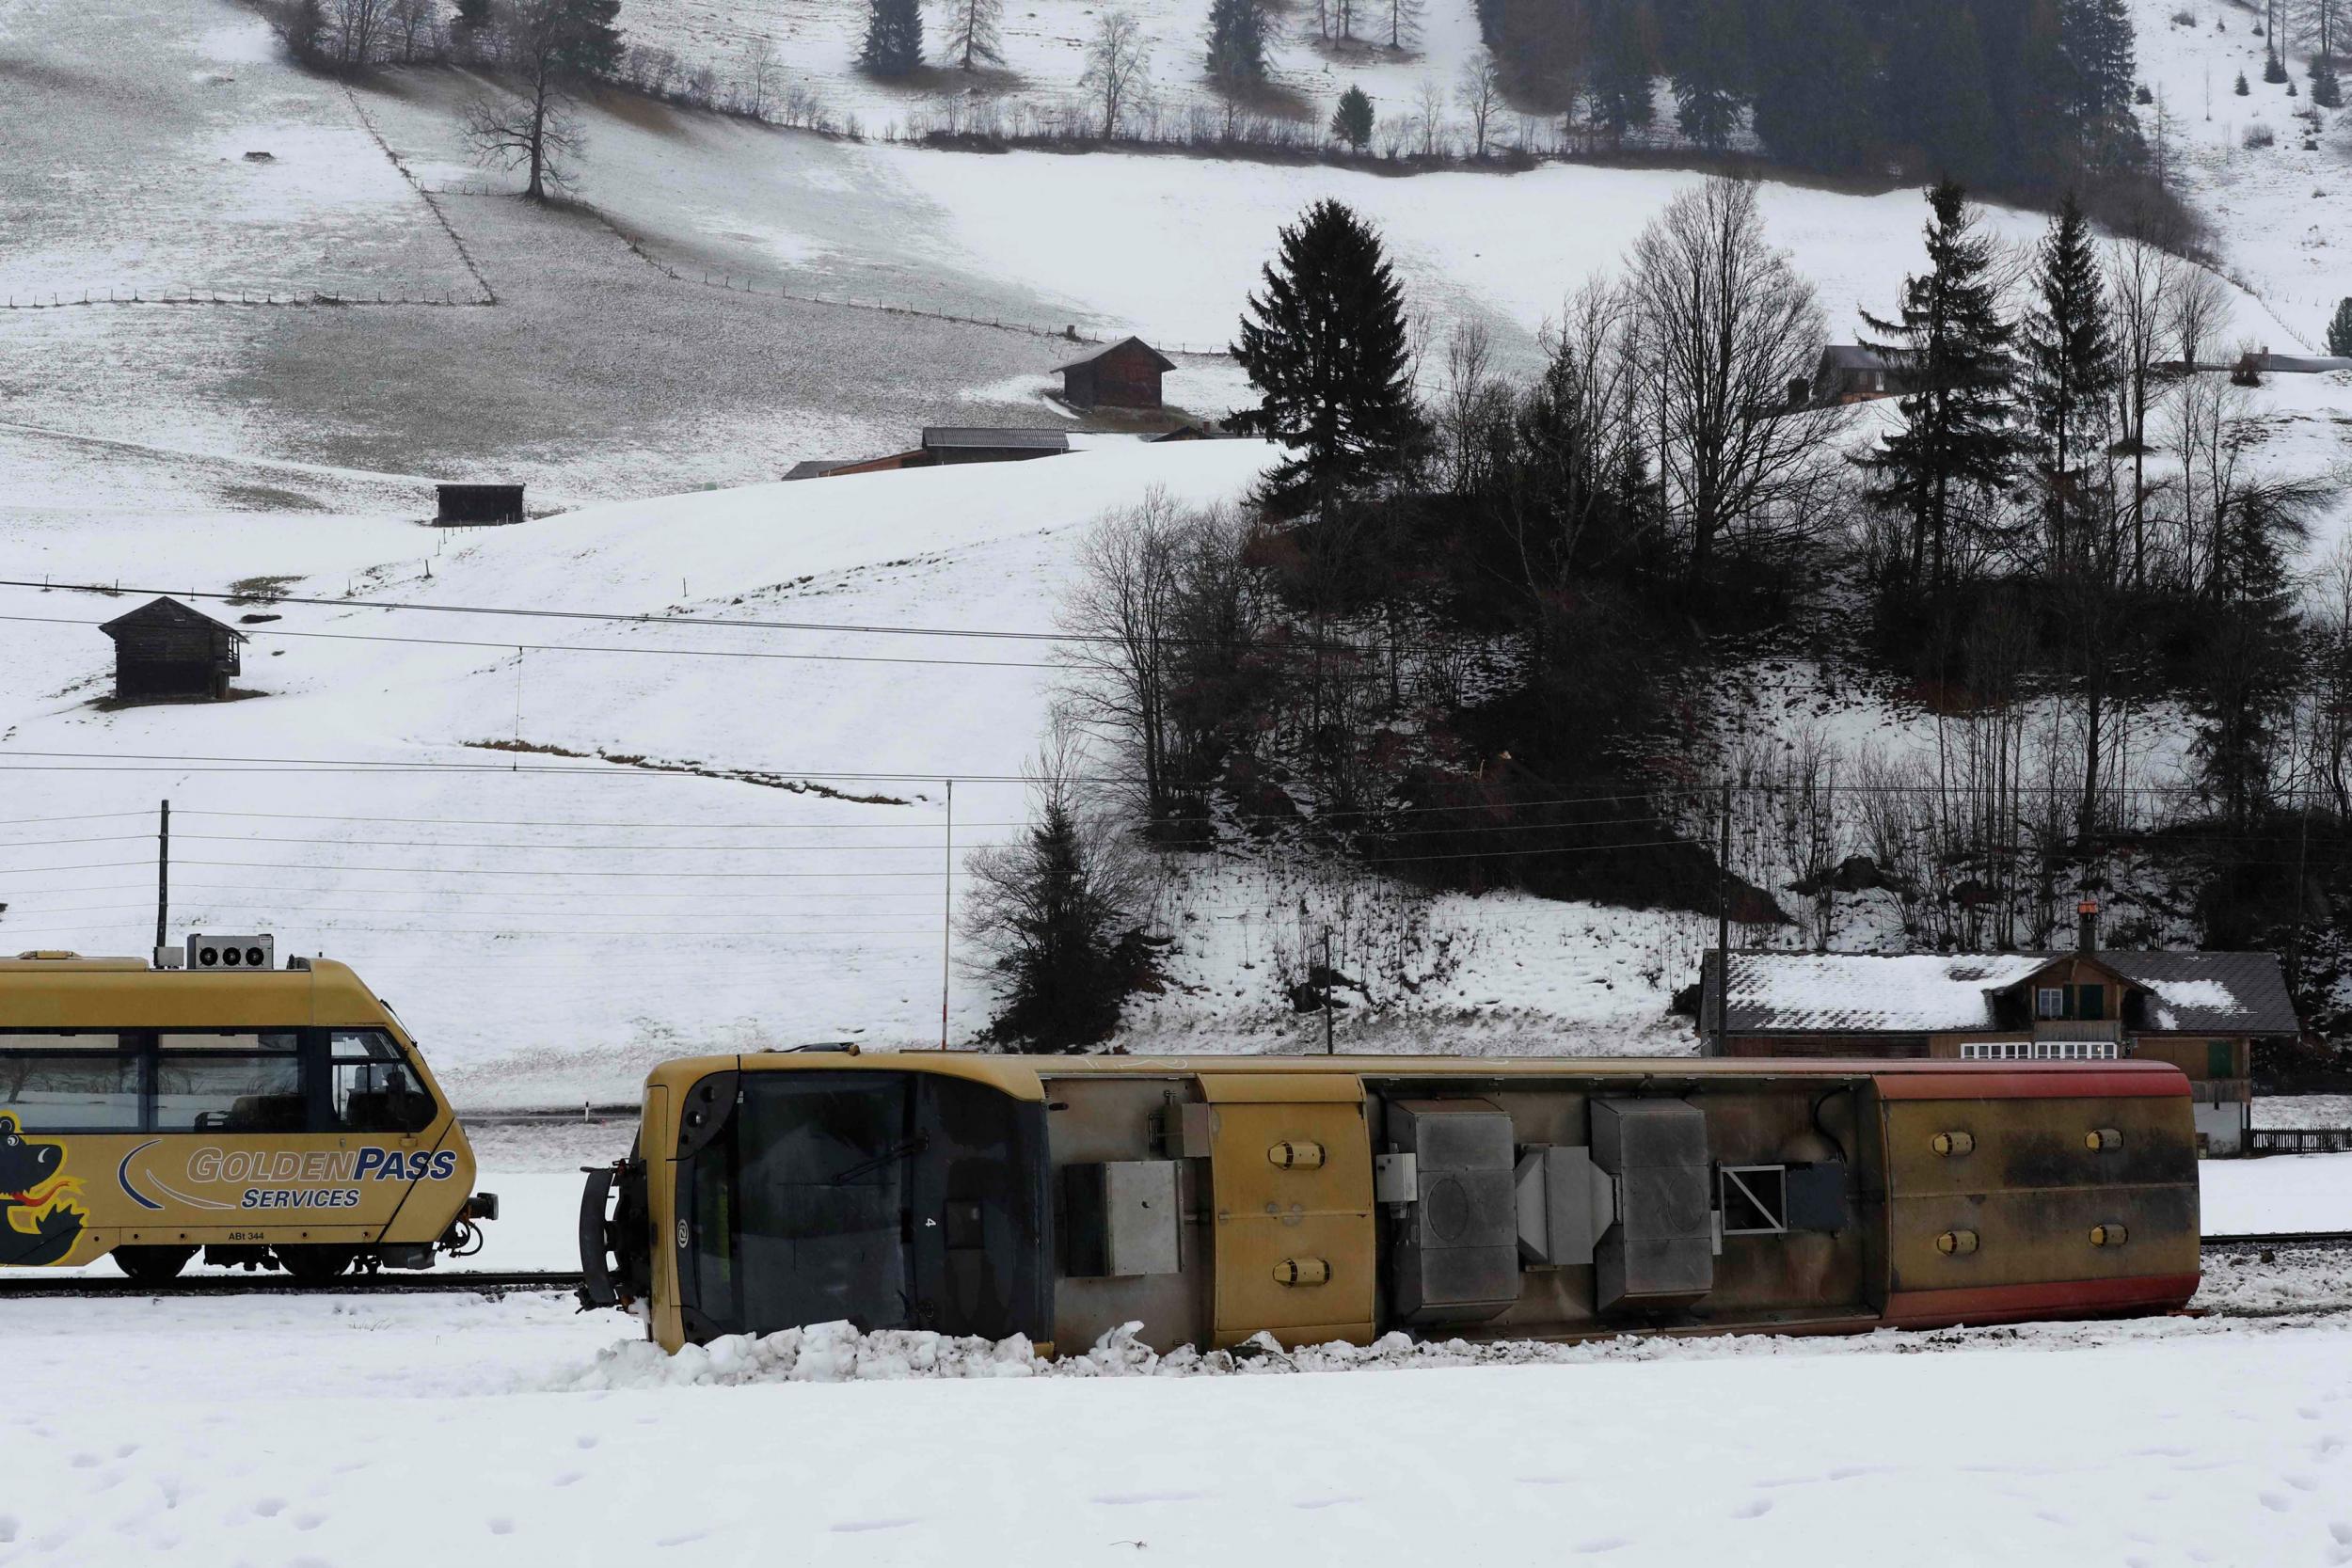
x: 271, y: 1118
x: 1214, y: 1198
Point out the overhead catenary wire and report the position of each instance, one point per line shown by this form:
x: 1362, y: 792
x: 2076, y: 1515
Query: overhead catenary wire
x: 519, y: 648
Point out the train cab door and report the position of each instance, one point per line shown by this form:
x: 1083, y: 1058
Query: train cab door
x: 1291, y: 1187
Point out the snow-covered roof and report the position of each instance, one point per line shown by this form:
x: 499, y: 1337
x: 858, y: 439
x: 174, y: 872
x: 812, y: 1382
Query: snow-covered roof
x: 2238, y: 993
x: 2193, y: 993
x: 1163, y: 360
x: 1865, y: 992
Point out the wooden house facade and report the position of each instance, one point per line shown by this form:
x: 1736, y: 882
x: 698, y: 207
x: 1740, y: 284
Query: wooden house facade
x: 1124, y: 375
x: 2199, y: 1011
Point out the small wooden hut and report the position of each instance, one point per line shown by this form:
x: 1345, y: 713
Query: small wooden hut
x: 166, y: 652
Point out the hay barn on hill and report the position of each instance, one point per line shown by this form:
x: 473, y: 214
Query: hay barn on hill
x: 166, y: 652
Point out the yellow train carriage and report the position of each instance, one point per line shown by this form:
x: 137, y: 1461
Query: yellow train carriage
x: 266, y: 1116
x: 1210, y: 1198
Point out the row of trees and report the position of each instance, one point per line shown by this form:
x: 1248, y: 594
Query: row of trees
x: 1457, y: 636
x: 2025, y: 92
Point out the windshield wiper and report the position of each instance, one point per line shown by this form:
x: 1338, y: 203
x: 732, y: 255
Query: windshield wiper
x: 890, y: 1156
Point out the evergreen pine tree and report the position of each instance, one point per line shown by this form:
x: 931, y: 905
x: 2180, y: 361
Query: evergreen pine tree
x: 2274, y: 68
x: 1939, y: 97
x: 1710, y: 67
x: 1351, y: 120
x: 469, y: 24
x: 894, y: 38
x: 2339, y: 328
x: 2071, y: 368
x: 1949, y: 346
x: 2245, y: 683
x: 1236, y: 43
x: 2241, y: 89
x: 973, y: 32
x: 590, y: 44
x: 2096, y: 39
x: 1617, y: 87
x: 1327, y: 352
x: 1817, y: 88
x: 2327, y: 92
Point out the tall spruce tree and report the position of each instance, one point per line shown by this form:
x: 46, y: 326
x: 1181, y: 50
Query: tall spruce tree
x: 1948, y: 344
x: 1324, y: 343
x: 1709, y: 70
x: 2247, y: 667
x: 2339, y: 328
x: 2071, y: 374
x: 1817, y: 87
x: 1617, y: 80
x: 1236, y: 54
x: 1351, y: 119
x: 894, y: 38
x: 1939, y: 98
x: 2096, y: 37
x: 973, y: 28
x: 2326, y: 91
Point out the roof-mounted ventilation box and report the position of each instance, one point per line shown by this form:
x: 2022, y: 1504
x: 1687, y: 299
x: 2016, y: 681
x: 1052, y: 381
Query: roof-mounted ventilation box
x: 250, y: 952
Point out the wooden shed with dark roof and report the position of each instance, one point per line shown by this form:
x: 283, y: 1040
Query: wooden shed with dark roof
x: 166, y: 652
x: 1124, y: 375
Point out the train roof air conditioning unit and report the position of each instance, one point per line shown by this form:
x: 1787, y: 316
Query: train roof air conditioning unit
x: 250, y: 952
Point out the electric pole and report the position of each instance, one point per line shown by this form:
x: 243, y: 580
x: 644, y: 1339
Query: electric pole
x: 162, y: 874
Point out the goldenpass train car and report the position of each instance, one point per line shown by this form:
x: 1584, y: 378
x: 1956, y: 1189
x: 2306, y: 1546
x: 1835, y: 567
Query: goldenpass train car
x: 1212, y: 1198
x: 266, y: 1115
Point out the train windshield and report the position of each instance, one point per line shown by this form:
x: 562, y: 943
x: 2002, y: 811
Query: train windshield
x: 890, y: 1199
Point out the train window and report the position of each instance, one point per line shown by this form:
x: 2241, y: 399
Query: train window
x: 248, y: 1092
x: 361, y: 1045
x: 269, y: 1043
x: 379, y: 1096
x: 92, y: 1085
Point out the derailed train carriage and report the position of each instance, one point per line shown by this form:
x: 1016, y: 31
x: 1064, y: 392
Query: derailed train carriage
x: 1212, y: 1198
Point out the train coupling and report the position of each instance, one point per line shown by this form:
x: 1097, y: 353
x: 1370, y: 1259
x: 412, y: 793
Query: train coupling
x: 483, y: 1206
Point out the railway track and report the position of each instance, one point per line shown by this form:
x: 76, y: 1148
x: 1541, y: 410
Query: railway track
x: 485, y: 1281
x: 492, y: 1282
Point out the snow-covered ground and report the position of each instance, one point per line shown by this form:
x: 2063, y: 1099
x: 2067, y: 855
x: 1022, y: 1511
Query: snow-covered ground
x: 2281, y: 214
x: 360, y: 1431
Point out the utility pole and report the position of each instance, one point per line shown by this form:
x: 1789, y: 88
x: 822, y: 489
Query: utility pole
x: 1330, y: 978
x: 1723, y: 920
x: 162, y: 874
x: 947, y: 912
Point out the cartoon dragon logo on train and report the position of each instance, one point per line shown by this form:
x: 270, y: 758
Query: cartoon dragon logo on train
x: 36, y: 1224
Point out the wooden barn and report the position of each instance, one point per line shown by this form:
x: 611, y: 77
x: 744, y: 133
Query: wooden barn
x: 475, y: 504
x: 1124, y: 375
x: 166, y: 652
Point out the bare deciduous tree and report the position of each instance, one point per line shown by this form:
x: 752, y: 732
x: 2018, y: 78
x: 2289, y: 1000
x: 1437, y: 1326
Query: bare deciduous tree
x: 1429, y: 117
x: 2141, y: 281
x: 1727, y: 326
x: 2200, y: 309
x: 537, y: 132
x: 1118, y: 76
x: 1479, y: 94
x: 761, y: 70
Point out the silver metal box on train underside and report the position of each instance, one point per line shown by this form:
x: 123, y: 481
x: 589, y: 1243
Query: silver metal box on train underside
x: 1661, y: 1254
x: 1457, y: 1259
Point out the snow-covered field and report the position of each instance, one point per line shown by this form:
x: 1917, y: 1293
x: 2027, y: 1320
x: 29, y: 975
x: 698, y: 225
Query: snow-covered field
x: 362, y: 1430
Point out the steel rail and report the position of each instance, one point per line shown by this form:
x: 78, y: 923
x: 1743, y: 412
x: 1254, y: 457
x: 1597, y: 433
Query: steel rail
x: 485, y: 1281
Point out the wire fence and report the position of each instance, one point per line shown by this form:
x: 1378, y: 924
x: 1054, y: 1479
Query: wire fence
x: 1068, y: 332
x: 231, y: 298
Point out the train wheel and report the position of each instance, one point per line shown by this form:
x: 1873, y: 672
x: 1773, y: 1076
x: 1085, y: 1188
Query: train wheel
x: 152, y: 1265
x: 315, y: 1265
